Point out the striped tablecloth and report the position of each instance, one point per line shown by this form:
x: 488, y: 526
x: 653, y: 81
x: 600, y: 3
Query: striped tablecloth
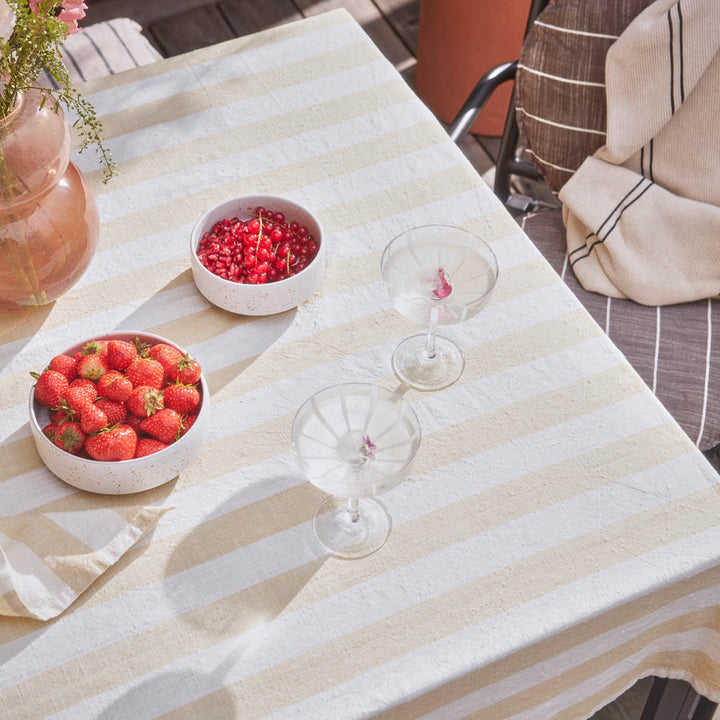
x: 559, y: 537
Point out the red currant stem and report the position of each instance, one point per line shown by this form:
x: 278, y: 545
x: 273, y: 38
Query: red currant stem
x: 287, y: 263
x: 260, y: 229
x: 282, y: 224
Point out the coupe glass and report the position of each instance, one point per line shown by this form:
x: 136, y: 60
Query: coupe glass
x: 354, y: 441
x: 436, y: 275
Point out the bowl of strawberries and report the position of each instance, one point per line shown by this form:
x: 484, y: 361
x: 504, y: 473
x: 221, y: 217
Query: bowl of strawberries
x: 257, y: 254
x: 120, y: 413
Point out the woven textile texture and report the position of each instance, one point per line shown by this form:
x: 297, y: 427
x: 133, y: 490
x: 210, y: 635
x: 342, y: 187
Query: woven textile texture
x: 668, y: 346
x: 561, y: 112
x: 560, y: 90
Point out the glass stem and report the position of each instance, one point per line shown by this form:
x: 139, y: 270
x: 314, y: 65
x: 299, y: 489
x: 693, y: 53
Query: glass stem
x: 352, y: 508
x: 431, y: 334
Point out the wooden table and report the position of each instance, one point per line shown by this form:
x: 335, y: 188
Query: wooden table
x: 559, y: 538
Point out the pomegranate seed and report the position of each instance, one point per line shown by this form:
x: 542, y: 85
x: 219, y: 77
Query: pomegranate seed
x: 262, y: 249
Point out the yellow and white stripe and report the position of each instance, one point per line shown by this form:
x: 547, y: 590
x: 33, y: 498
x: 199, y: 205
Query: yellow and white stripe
x: 558, y: 537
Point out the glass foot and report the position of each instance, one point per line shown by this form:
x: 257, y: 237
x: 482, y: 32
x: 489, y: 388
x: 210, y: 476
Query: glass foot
x: 347, y: 538
x: 414, y: 368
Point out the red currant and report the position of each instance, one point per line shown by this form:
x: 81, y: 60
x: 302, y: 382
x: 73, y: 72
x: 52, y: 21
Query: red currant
x: 273, y: 248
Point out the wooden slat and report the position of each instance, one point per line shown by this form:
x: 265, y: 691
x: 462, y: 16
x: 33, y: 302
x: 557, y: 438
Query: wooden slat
x: 190, y: 30
x: 142, y: 12
x: 248, y: 17
x: 403, y: 16
x: 374, y: 24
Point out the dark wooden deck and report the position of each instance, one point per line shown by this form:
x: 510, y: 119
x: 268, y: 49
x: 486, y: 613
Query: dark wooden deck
x: 178, y: 26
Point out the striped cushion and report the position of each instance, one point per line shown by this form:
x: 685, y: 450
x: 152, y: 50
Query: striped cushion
x: 105, y: 48
x: 560, y: 91
x: 668, y: 346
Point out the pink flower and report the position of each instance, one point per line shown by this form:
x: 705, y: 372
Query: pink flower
x: 441, y: 285
x: 72, y: 11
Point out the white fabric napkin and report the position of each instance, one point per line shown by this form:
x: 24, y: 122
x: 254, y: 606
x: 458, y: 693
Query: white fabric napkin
x: 51, y: 554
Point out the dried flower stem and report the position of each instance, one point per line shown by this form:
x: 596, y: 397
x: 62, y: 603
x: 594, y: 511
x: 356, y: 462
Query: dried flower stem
x: 34, y: 45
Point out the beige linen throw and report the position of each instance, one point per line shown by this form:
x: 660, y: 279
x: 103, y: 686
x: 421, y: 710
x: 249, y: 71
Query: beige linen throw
x: 643, y: 214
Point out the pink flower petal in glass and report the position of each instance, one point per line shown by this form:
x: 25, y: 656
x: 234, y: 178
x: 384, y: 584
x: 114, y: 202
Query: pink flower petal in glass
x: 441, y: 284
x: 368, y: 447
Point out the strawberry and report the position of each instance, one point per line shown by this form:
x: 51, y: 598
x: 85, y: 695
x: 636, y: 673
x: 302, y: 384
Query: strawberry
x: 164, y: 425
x: 121, y: 354
x: 115, y: 443
x: 76, y: 398
x: 92, y: 419
x: 186, y: 371
x: 182, y: 398
x: 166, y: 355
x: 134, y: 422
x: 187, y: 422
x: 113, y: 385
x: 84, y: 382
x: 148, y: 446
x: 69, y: 436
x: 49, y: 432
x: 146, y: 371
x: 50, y: 387
x: 92, y: 367
x: 145, y: 400
x: 94, y: 347
x: 116, y: 411
x: 65, y: 365
x: 60, y: 415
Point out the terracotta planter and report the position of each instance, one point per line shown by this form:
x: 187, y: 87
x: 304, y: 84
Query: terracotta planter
x: 460, y: 40
x: 48, y: 216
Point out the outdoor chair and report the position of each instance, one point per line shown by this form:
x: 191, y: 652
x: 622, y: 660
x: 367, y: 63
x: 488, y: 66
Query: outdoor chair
x: 104, y: 48
x: 555, y: 120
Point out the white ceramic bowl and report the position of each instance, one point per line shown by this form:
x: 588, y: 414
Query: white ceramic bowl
x: 126, y: 476
x: 264, y: 299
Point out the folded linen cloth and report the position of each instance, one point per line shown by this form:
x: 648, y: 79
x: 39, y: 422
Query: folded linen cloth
x: 50, y: 554
x: 643, y: 215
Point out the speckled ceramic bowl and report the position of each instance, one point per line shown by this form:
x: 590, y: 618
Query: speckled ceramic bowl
x: 127, y: 476
x: 265, y: 299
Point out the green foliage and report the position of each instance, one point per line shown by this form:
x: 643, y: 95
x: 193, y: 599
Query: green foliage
x: 36, y: 44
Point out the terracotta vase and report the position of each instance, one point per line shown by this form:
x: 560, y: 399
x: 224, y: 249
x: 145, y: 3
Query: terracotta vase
x: 48, y: 216
x: 460, y: 40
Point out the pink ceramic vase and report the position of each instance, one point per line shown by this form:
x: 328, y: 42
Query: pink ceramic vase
x: 48, y: 216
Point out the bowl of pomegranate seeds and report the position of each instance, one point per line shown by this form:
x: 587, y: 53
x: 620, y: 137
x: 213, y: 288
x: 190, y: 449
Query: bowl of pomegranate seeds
x: 257, y: 254
x: 119, y: 413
